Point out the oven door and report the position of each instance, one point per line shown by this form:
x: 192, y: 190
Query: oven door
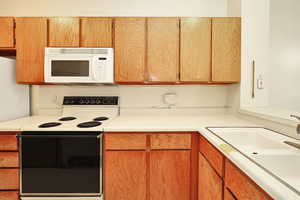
x: 61, y: 164
x: 70, y: 69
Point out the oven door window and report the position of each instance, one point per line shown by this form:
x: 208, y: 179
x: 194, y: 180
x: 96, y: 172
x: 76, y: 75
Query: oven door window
x: 70, y: 68
x: 60, y: 166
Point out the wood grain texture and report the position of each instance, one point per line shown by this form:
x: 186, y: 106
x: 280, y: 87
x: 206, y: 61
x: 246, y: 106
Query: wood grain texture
x: 241, y: 185
x: 214, y: 157
x: 163, y: 49
x: 31, y: 40
x: 171, y: 141
x: 130, y: 49
x: 64, y: 32
x: 195, y: 49
x: 6, y: 32
x: 170, y: 175
x: 96, y: 32
x: 226, y: 49
x: 9, y: 159
x: 210, y: 184
x: 125, y: 175
x: 125, y: 141
x: 8, y: 143
x: 9, y: 195
x: 9, y: 179
x: 228, y: 195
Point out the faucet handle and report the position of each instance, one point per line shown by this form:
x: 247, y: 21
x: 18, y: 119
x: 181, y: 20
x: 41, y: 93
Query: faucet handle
x: 295, y: 116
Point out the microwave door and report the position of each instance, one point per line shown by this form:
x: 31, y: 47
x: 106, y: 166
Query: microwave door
x: 70, y: 69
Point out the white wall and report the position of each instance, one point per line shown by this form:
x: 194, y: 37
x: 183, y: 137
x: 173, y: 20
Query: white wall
x: 285, y: 54
x: 113, y: 7
x: 48, y: 99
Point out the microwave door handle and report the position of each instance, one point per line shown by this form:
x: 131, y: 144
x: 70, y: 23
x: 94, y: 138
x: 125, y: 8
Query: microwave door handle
x: 94, y: 65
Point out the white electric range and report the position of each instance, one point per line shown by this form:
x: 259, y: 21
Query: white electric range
x: 79, y: 113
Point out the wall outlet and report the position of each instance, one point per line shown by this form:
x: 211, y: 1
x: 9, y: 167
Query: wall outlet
x: 260, y: 83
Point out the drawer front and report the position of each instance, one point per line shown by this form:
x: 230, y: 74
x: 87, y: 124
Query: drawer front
x: 214, y: 157
x: 8, y: 143
x: 171, y: 141
x: 129, y: 141
x: 9, y: 195
x: 9, y: 159
x: 241, y: 186
x: 9, y: 179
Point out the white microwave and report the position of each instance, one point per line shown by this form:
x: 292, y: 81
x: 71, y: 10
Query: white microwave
x: 79, y: 65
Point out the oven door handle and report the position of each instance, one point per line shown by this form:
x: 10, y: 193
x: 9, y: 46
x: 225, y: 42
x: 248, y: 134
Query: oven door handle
x: 59, y: 136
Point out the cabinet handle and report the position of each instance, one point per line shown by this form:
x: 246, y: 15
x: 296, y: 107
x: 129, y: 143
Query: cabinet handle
x: 253, y: 79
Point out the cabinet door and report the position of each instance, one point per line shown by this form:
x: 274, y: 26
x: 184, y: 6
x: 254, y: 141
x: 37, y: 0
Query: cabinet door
x: 163, y: 50
x: 9, y: 179
x: 226, y: 49
x: 130, y: 49
x: 9, y: 195
x: 170, y: 175
x: 6, y: 32
x: 125, y: 175
x: 96, y: 32
x: 241, y: 186
x: 195, y: 49
x: 31, y: 40
x: 228, y: 195
x: 210, y: 184
x: 64, y: 32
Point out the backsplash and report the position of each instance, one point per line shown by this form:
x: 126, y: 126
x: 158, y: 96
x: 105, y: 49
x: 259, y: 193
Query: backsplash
x: 48, y: 99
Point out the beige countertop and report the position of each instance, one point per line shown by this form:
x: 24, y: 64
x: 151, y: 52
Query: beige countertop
x: 150, y: 122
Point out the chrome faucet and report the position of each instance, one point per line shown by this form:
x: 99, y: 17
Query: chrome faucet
x: 298, y: 126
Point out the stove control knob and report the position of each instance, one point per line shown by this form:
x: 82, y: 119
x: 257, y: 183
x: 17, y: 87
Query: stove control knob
x: 81, y: 102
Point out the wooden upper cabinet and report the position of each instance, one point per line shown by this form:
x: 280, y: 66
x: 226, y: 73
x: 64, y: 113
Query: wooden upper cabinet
x: 64, y: 32
x: 226, y: 49
x: 195, y: 49
x: 210, y: 184
x: 6, y: 32
x: 96, y: 32
x: 170, y: 175
x: 130, y: 49
x: 31, y: 40
x: 163, y: 49
x: 125, y: 175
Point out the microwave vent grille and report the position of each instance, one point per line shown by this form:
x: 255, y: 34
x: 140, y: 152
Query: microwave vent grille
x: 77, y: 51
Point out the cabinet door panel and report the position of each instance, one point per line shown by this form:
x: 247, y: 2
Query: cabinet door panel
x: 171, y: 141
x: 64, y: 32
x: 226, y: 49
x: 96, y: 32
x: 210, y: 184
x: 9, y: 159
x: 9, y: 195
x: 31, y: 40
x: 130, y: 49
x: 6, y: 32
x: 125, y: 175
x: 8, y: 143
x: 170, y: 175
x: 195, y: 49
x: 129, y: 141
x: 215, y: 158
x: 241, y: 186
x: 9, y: 179
x: 163, y: 50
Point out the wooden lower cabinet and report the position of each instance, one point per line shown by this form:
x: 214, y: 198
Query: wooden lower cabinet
x: 241, y: 186
x: 210, y: 185
x: 125, y: 175
x: 228, y: 195
x: 170, y: 175
x: 9, y: 179
x: 9, y: 195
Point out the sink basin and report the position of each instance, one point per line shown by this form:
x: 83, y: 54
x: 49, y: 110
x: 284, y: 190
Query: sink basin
x: 286, y: 167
